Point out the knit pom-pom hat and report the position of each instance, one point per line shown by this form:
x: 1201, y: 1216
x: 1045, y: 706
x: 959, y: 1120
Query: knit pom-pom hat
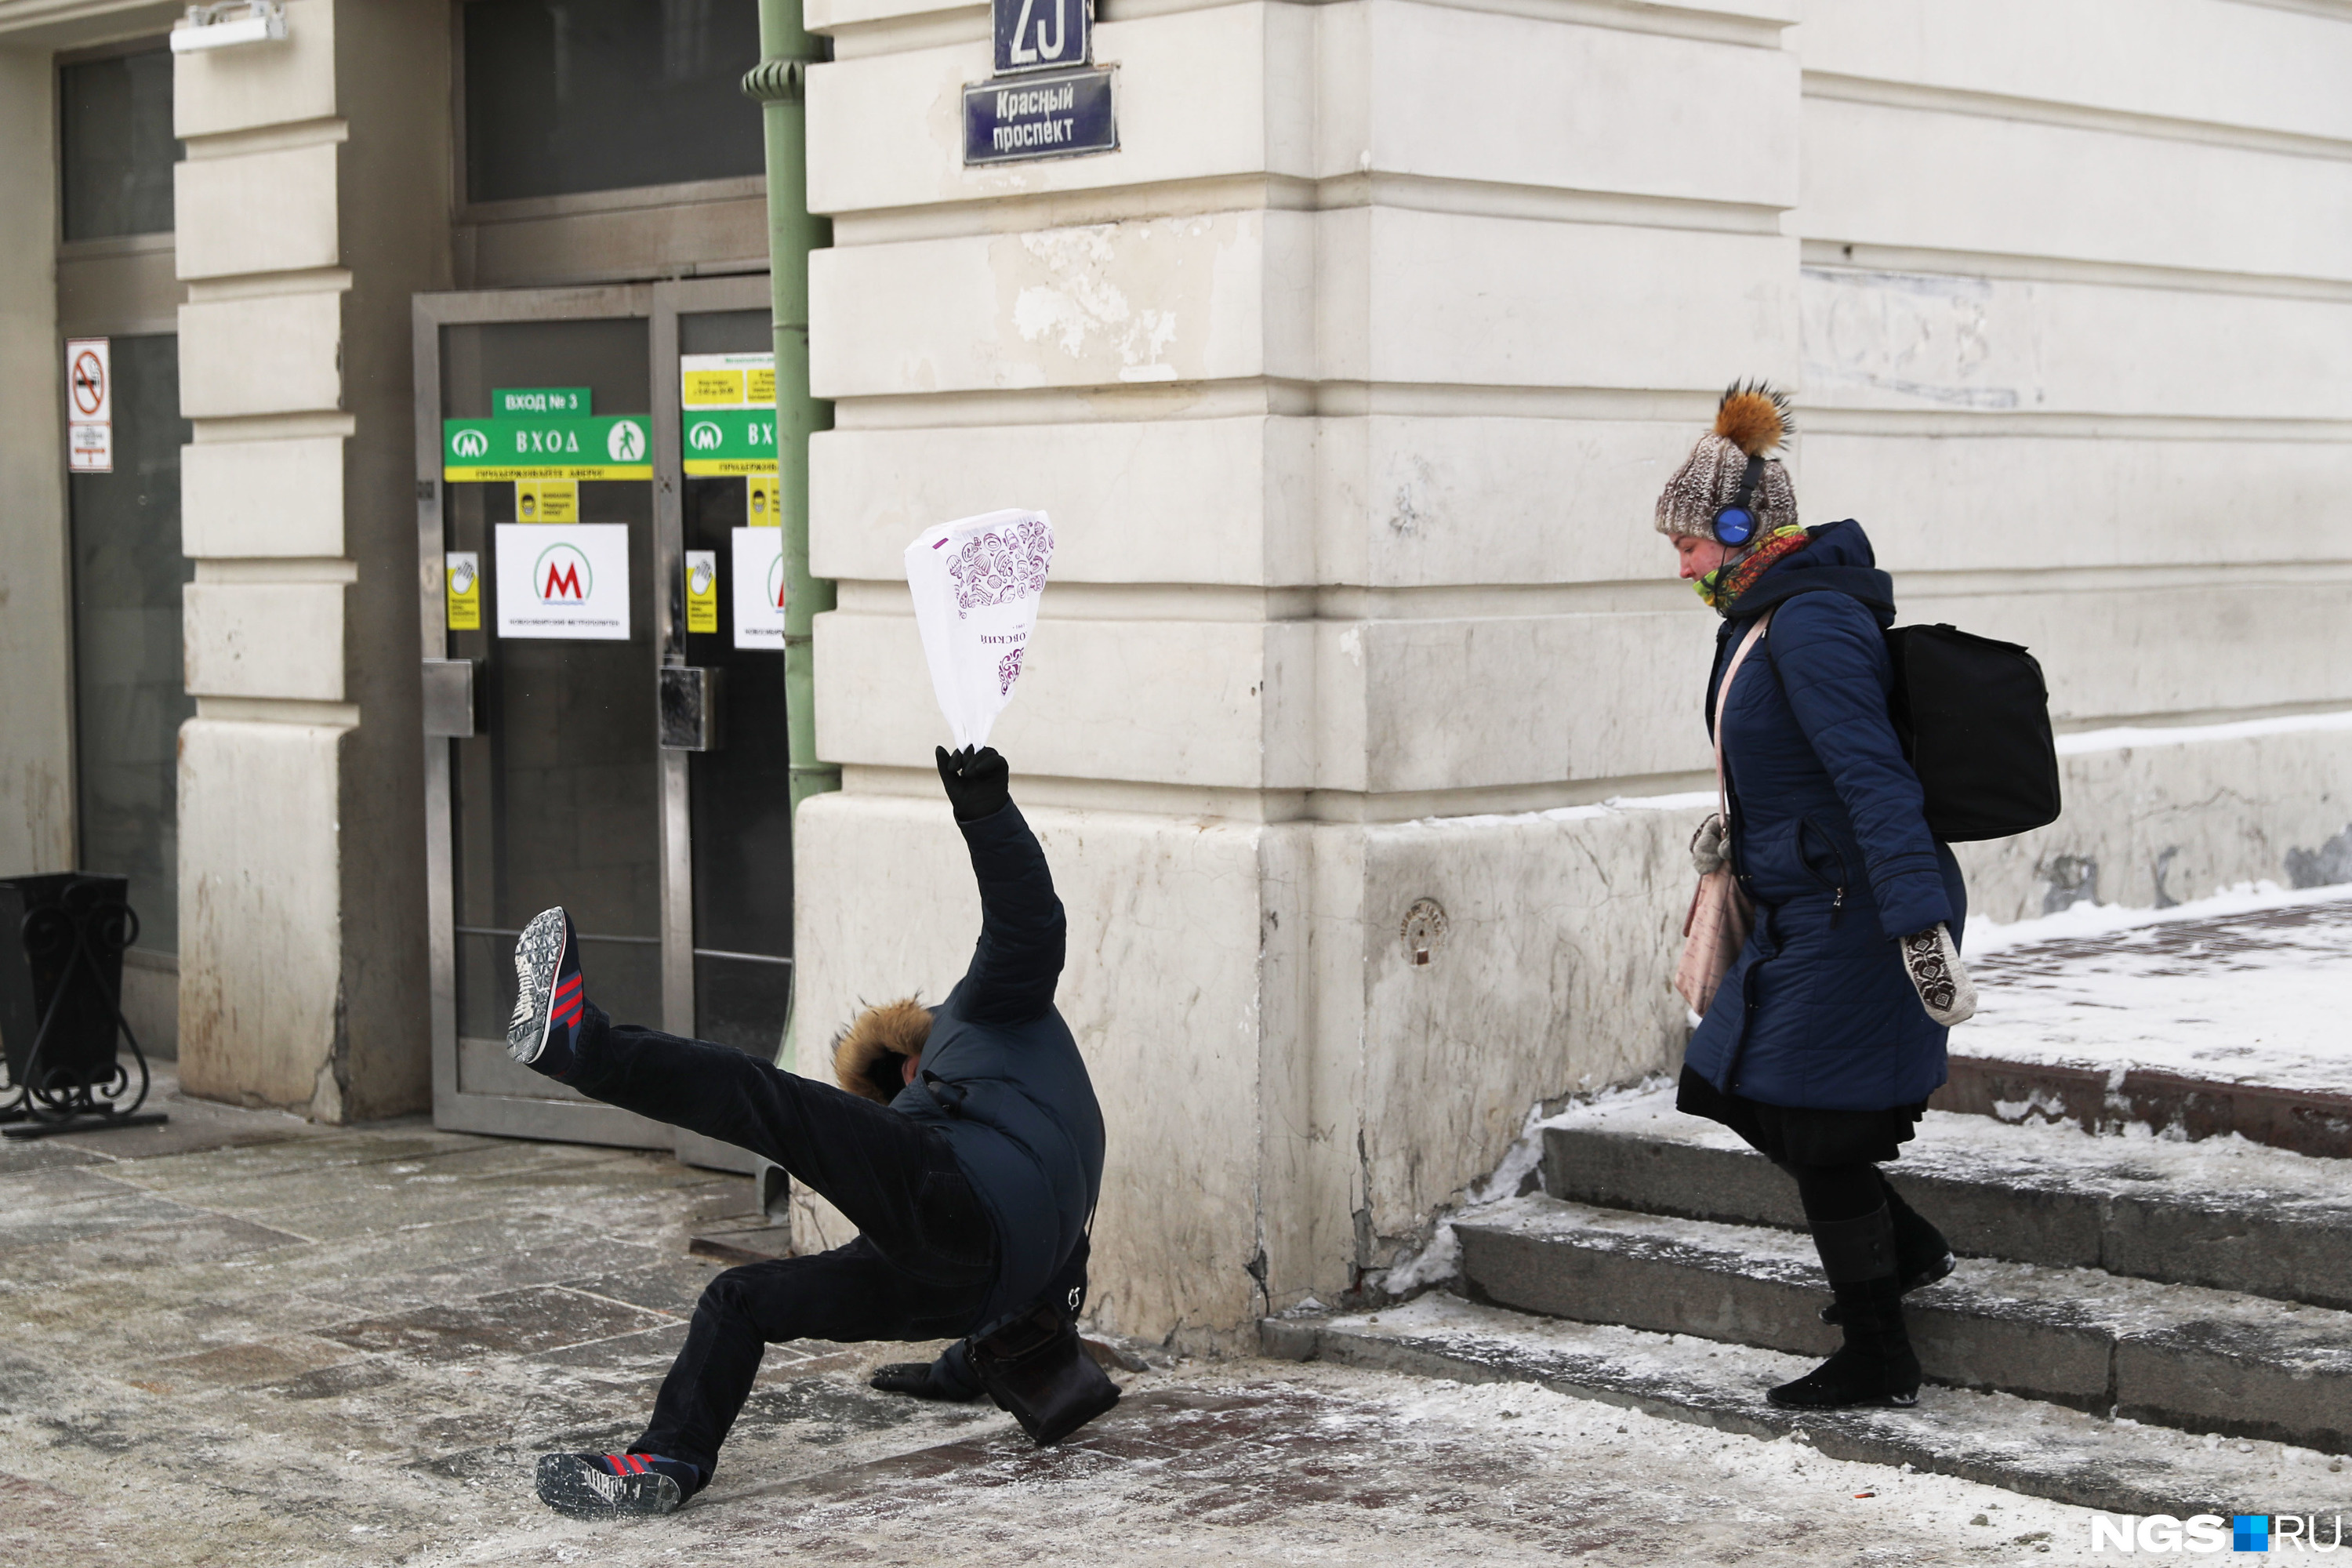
x: 869, y: 1055
x: 1751, y: 420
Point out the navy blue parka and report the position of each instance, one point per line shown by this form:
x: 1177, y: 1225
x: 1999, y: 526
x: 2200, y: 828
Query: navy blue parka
x: 1001, y: 1078
x: 1827, y: 837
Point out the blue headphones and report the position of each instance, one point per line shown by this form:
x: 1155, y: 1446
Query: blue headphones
x: 1735, y: 524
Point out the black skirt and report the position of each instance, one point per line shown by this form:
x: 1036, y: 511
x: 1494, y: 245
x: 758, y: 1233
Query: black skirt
x: 1795, y: 1135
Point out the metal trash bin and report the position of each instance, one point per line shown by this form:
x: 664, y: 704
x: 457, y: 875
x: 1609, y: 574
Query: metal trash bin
x: 62, y: 938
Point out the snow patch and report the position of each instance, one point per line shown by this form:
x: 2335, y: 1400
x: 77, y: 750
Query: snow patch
x: 1614, y: 805
x: 1441, y: 1260
x: 2248, y: 986
x: 2125, y: 737
x: 2090, y: 919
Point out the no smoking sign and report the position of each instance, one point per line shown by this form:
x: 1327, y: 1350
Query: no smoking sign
x: 90, y: 405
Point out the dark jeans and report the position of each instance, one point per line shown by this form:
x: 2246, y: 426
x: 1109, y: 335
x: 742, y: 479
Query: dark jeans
x: 919, y: 1269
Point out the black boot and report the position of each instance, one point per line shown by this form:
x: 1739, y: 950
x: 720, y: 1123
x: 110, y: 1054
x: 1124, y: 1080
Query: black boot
x: 1922, y: 1256
x: 1875, y: 1366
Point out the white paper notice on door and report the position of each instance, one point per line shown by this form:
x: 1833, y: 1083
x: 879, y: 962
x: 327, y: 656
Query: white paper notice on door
x: 758, y: 588
x: 976, y: 583
x: 563, y: 579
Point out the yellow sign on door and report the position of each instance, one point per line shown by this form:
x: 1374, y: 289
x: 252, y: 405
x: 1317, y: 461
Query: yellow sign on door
x: 702, y: 590
x: 463, y: 577
x: 762, y: 494
x: 547, y: 501
x: 711, y: 388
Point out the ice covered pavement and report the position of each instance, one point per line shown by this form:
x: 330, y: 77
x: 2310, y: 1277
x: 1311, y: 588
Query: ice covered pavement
x: 239, y: 1340
x: 2252, y: 988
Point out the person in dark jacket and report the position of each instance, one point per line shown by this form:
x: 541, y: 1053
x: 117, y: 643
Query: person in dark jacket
x: 1826, y: 1037
x: 965, y: 1145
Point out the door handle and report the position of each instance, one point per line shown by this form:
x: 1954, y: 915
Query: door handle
x: 691, y: 699
x: 449, y: 698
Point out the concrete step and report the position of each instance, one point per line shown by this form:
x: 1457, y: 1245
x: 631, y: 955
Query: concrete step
x: 2043, y: 1450
x: 2089, y: 1099
x: 2204, y: 1360
x: 2221, y: 1213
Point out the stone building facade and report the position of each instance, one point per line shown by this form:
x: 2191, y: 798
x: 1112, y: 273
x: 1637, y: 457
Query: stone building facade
x: 1362, y: 715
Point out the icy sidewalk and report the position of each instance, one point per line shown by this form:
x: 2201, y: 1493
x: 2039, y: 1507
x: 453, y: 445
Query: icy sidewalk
x: 2246, y: 988
x: 239, y: 1340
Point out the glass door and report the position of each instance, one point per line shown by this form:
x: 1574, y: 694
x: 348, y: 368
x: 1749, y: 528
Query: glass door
x: 604, y: 677
x: 738, y: 838
x: 543, y: 630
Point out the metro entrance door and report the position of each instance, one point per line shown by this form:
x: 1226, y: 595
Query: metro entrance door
x: 604, y: 710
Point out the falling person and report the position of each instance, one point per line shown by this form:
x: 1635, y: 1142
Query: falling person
x: 964, y: 1143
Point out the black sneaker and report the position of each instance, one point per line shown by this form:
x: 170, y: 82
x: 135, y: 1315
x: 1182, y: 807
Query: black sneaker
x: 551, y: 995
x: 604, y: 1486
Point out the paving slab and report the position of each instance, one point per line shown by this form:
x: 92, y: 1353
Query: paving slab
x: 2208, y: 1360
x: 2223, y: 1212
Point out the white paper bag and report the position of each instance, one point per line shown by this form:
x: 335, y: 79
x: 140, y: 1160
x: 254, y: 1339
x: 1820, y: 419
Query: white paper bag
x: 976, y: 584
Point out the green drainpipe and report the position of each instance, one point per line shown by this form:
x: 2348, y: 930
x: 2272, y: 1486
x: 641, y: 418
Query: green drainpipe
x: 778, y: 82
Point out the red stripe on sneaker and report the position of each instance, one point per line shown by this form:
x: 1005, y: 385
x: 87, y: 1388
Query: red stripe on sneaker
x: 567, y: 988
x: 616, y: 1464
x: 569, y: 1014
x: 636, y: 1464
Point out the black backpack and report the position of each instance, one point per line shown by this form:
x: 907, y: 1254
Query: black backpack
x: 1973, y: 715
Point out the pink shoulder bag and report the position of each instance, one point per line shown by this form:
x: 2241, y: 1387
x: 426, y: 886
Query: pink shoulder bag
x: 1716, y: 927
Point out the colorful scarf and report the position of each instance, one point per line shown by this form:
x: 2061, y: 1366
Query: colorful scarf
x: 1721, y: 588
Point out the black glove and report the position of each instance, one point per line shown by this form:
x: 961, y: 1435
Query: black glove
x: 978, y: 782
x: 920, y: 1379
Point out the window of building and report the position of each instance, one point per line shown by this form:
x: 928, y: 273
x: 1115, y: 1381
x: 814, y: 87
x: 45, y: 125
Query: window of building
x: 130, y: 698
x: 565, y: 96
x: 115, y: 145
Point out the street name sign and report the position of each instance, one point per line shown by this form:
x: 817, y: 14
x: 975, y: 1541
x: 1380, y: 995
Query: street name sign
x: 1060, y: 115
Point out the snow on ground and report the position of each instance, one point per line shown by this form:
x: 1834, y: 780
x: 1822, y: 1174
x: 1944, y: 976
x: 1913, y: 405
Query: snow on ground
x: 2129, y: 1163
x: 2250, y: 986
x: 1246, y: 1464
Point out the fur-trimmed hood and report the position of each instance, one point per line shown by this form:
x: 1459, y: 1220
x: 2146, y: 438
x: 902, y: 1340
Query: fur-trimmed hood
x: 866, y: 1055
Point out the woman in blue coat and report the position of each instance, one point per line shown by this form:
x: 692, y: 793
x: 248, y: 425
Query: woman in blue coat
x: 1826, y: 1037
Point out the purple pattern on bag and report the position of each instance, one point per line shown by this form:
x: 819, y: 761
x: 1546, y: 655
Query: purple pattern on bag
x: 1001, y: 565
x: 1008, y: 671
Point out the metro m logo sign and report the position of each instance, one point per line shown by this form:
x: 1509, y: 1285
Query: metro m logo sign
x: 561, y: 576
